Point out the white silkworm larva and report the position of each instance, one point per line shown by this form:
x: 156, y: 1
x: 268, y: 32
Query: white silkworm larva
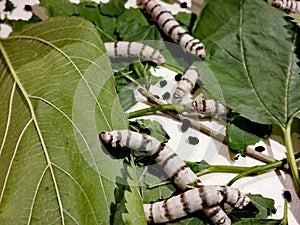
x: 171, y: 27
x: 172, y: 164
x: 287, y: 5
x: 126, y: 49
x: 185, y: 85
x: 177, y: 170
x: 196, y: 199
x: 206, y: 107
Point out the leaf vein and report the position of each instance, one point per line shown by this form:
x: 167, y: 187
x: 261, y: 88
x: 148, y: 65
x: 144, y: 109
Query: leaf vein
x: 244, y: 63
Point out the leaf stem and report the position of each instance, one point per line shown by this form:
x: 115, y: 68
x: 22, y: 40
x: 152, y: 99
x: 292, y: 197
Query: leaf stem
x: 173, y: 68
x: 222, y: 169
x: 290, y: 153
x: 153, y: 109
x: 284, y: 220
x: 241, y: 170
x: 262, y: 169
x: 257, y: 170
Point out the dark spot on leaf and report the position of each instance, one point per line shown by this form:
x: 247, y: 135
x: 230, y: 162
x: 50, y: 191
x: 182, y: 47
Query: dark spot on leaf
x: 183, y: 5
x: 178, y: 77
x: 287, y: 195
x: 185, y: 125
x: 166, y: 95
x: 193, y: 140
x: 162, y: 83
x: 28, y: 7
x: 47, y: 188
x: 260, y: 148
x: 156, y: 96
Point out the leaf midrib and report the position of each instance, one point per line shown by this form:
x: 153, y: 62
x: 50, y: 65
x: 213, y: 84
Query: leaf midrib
x: 246, y: 68
x: 31, y: 109
x: 32, y: 112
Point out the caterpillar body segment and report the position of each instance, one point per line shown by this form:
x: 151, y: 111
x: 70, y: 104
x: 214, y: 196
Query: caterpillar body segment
x: 172, y: 164
x: 206, y: 107
x: 217, y: 215
x: 287, y: 5
x: 124, y: 49
x: 185, y: 85
x: 171, y: 27
x: 205, y: 197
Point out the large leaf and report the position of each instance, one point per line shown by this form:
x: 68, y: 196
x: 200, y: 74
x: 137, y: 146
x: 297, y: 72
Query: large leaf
x: 87, y: 10
x: 57, y: 93
x: 250, y: 59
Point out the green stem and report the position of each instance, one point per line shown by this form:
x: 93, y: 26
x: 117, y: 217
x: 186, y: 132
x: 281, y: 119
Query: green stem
x: 173, y: 68
x: 258, y: 170
x: 241, y: 170
x: 262, y: 169
x: 222, y: 169
x: 284, y: 220
x: 290, y: 154
x: 153, y: 109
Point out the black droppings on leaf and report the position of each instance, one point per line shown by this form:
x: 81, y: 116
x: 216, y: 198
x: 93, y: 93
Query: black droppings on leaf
x: 156, y: 96
x: 260, y: 148
x: 162, y: 83
x: 178, y: 77
x: 193, y: 140
x: 28, y: 8
x: 186, y: 124
x: 183, y: 5
x: 166, y: 95
x: 287, y: 195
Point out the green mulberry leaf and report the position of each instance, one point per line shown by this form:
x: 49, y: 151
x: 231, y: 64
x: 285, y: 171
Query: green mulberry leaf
x: 57, y: 93
x: 251, y: 60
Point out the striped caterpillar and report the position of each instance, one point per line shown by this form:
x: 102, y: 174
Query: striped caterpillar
x: 206, y: 198
x: 287, y: 5
x: 171, y: 27
x: 185, y: 85
x: 173, y: 165
x: 206, y: 107
x: 125, y: 49
x: 194, y: 200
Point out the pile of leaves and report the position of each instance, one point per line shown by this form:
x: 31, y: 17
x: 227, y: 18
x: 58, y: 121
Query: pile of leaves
x: 58, y: 92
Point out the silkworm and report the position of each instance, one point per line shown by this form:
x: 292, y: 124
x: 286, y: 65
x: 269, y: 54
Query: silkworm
x: 124, y: 49
x: 205, y: 107
x: 287, y: 5
x: 172, y: 164
x: 185, y: 85
x: 206, y: 198
x: 196, y: 199
x: 171, y: 27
